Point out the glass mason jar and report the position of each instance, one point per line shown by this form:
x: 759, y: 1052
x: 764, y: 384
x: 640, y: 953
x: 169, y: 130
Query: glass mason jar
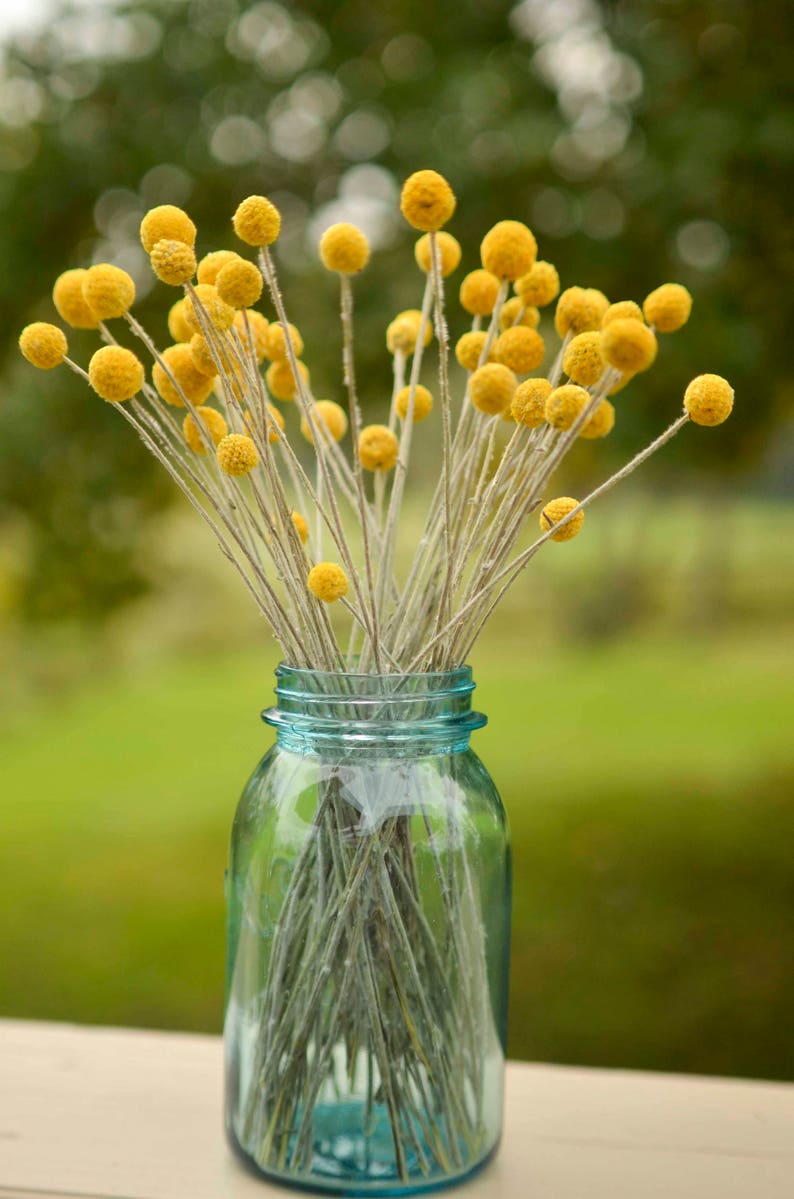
x: 368, y: 939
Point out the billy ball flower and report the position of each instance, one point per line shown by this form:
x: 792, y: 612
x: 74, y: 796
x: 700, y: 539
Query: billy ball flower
x: 516, y: 312
x: 43, y: 345
x: 378, y: 448
x: 329, y: 418
x: 301, y: 525
x: 528, y: 405
x: 623, y: 310
x: 276, y: 341
x: 564, y: 404
x: 628, y: 345
x: 580, y: 309
x: 449, y: 253
x: 600, y: 423
x: 177, y: 377
x: 115, y: 374
x: 201, y: 353
x: 275, y: 423
x: 239, y: 284
x: 521, y: 349
x: 403, y: 332
x: 344, y: 249
x: 178, y: 327
x: 173, y: 262
x: 69, y: 301
x: 422, y: 406
x: 237, y: 455
x: 166, y: 222
x: 212, y: 264
x: 492, y: 387
x: 508, y: 250
x: 281, y: 382
x: 540, y: 285
x: 478, y: 292
x: 257, y: 221
x: 469, y: 349
x: 583, y: 361
x: 108, y: 291
x: 427, y: 201
x: 251, y: 321
x: 214, y: 425
x: 327, y: 582
x: 211, y: 307
x: 668, y: 307
x: 557, y: 510
x: 709, y: 400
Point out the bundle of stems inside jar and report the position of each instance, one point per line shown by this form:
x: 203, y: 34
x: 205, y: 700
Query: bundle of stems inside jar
x: 308, y: 533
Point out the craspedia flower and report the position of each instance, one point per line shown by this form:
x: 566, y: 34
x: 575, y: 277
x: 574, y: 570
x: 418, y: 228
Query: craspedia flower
x: 166, y: 222
x: 239, y: 284
x: 557, y: 510
x: 427, y: 201
x: 194, y: 384
x: 628, y: 345
x: 622, y: 382
x: 403, y: 332
x: 449, y: 253
x: 213, y: 424
x: 213, y: 263
x: 344, y: 249
x: 281, y: 381
x: 301, y: 525
x: 540, y: 285
x: 378, y: 448
x: 521, y: 349
x: 492, y: 387
x: 583, y: 361
x: 178, y: 327
x: 115, y: 374
x: 516, y: 312
x: 509, y: 250
x: 237, y: 455
x: 257, y: 221
x: 580, y: 309
x: 564, y: 404
x: 600, y: 423
x: 469, y: 350
x: 276, y: 342
x: 108, y: 291
x: 173, y: 262
x: 201, y: 353
x: 327, y: 582
x: 214, y: 310
x: 69, y: 301
x: 43, y: 345
x: 709, y: 400
x: 423, y: 403
x: 326, y: 416
x: 668, y: 307
x: 624, y: 310
x: 258, y: 326
x: 528, y: 405
x: 275, y: 423
x: 478, y: 292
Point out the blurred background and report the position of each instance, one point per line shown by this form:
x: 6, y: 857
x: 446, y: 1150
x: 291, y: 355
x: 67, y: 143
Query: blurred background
x: 638, y: 682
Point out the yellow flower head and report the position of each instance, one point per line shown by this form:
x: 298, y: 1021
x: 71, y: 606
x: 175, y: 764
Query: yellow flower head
x: 378, y: 448
x: 540, y: 285
x: 509, y: 250
x: 43, y: 345
x: 326, y: 416
x: 403, y: 331
x: 492, y: 387
x: 274, y: 422
x: 301, y: 525
x: 213, y: 263
x: 201, y: 354
x: 583, y: 361
x: 239, y: 284
x: 628, y: 345
x: 668, y: 307
x: 520, y: 348
x: 178, y: 363
x: 427, y: 201
x: 115, y: 374
x: 166, y: 223
x: 108, y: 291
x: 214, y: 425
x: 327, y: 582
x: 478, y: 292
x: 257, y: 222
x: 69, y: 301
x: 449, y: 253
x: 344, y: 248
x: 557, y: 510
x: 564, y: 404
x: 516, y: 312
x: 258, y: 325
x: 529, y: 403
x: 423, y: 403
x: 178, y: 327
x: 281, y: 381
x: 709, y: 400
x: 277, y: 342
x: 624, y: 310
x: 214, y: 310
x: 173, y: 262
x: 600, y: 423
x: 580, y: 309
x: 237, y: 455
x: 622, y: 382
x: 469, y: 350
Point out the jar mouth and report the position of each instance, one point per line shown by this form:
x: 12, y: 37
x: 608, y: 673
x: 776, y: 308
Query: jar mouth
x: 344, y: 685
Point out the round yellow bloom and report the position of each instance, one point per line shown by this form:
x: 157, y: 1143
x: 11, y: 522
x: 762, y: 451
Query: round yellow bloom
x: 177, y: 361
x: 478, y: 292
x: 178, y: 327
x: 580, y: 309
x: 344, y: 248
x: 509, y: 250
x: 423, y: 403
x: 257, y: 222
x: 239, y: 284
x: 69, y: 301
x: 281, y: 382
x: 540, y: 285
x: 237, y: 455
x: 492, y: 387
x: 327, y: 582
x: 600, y: 423
x: 108, y: 291
x: 201, y: 353
x: 668, y: 307
x: 277, y: 341
x: 709, y: 400
x: 115, y: 374
x: 166, y: 223
x: 516, y: 312
x: 564, y: 404
x: 521, y: 349
x: 628, y: 345
x: 213, y: 263
x: 258, y: 325
x: 583, y: 361
x: 469, y: 350
x: 301, y: 525
x: 378, y: 448
x: 528, y: 406
x: 557, y: 510
x: 403, y: 331
x: 326, y: 415
x: 219, y: 314
x: 624, y: 310
x: 173, y: 262
x: 449, y: 252
x: 427, y: 201
x: 274, y: 422
x: 214, y: 425
x: 622, y: 382
x: 43, y: 345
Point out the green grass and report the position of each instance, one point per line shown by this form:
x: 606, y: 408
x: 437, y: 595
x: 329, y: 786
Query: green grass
x: 649, y: 791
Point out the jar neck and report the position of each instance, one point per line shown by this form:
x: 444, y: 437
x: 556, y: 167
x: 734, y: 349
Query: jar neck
x: 393, y: 714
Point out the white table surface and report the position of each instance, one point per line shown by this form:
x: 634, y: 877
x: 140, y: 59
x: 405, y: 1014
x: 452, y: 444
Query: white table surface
x: 114, y: 1113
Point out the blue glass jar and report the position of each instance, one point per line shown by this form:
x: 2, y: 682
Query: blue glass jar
x: 368, y: 939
